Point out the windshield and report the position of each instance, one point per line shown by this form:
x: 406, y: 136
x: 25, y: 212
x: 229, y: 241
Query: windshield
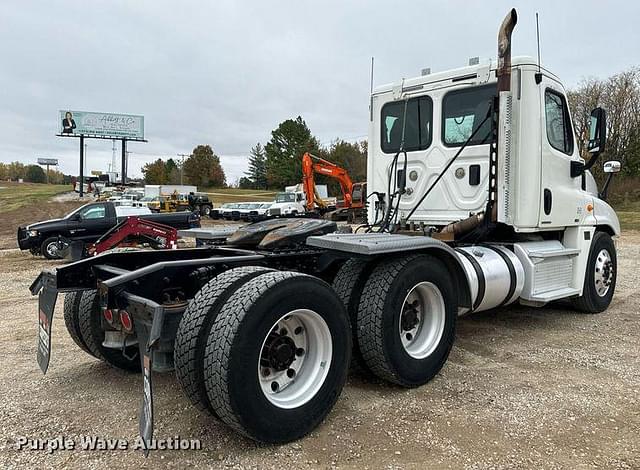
x: 285, y: 197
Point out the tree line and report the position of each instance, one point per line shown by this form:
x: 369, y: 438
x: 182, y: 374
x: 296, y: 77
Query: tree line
x: 202, y: 168
x: 619, y: 95
x: 16, y: 171
x: 278, y: 163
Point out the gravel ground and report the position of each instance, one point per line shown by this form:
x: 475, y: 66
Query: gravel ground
x: 523, y: 388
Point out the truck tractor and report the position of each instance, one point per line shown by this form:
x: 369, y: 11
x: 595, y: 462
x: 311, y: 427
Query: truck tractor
x: 484, y: 201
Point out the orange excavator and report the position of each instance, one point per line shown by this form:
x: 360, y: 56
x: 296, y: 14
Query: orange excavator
x: 353, y: 194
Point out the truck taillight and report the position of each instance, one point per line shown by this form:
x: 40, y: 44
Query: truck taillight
x: 125, y: 320
x: 108, y: 315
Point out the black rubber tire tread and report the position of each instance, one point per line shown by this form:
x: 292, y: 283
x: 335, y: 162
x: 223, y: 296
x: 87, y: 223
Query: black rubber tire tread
x: 93, y: 335
x: 590, y: 301
x: 43, y: 247
x: 70, y: 312
x: 237, y: 406
x: 371, y: 331
x: 348, y: 284
x: 193, y: 331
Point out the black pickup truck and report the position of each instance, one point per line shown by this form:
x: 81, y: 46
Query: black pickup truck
x: 88, y: 223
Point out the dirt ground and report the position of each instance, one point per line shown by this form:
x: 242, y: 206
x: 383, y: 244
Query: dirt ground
x: 523, y: 388
x: 11, y: 220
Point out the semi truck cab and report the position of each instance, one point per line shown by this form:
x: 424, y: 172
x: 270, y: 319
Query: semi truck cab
x: 539, y: 191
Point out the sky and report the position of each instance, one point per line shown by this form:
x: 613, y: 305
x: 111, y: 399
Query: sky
x: 226, y: 73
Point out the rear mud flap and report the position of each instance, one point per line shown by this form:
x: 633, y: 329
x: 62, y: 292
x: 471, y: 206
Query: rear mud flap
x: 143, y: 309
x: 46, y: 305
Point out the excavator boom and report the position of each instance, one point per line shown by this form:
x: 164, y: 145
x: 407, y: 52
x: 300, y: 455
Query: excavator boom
x: 311, y: 165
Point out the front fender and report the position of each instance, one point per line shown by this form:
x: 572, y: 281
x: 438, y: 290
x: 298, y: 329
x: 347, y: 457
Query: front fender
x: 606, y: 216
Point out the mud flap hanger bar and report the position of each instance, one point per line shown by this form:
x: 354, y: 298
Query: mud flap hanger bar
x: 147, y: 340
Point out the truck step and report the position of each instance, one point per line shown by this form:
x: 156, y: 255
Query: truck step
x: 556, y: 294
x: 545, y: 254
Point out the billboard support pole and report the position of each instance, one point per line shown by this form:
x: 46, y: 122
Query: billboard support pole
x: 124, y: 161
x: 81, y: 165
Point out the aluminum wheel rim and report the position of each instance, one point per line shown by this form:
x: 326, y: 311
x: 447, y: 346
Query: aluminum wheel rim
x: 53, y: 249
x: 603, y: 273
x: 422, y: 318
x: 310, y: 334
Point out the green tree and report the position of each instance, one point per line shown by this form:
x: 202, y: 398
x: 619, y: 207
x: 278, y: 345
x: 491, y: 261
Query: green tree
x: 11, y: 171
x: 155, y: 172
x: 34, y: 174
x: 202, y: 168
x: 284, y: 152
x: 257, y: 167
x: 246, y: 183
x: 350, y: 156
x: 172, y: 170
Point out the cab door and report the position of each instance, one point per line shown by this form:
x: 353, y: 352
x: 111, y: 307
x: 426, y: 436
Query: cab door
x: 561, y: 198
x: 90, y: 223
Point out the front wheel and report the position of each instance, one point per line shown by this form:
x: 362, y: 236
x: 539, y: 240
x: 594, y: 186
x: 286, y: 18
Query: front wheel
x: 277, y: 359
x: 52, y: 247
x: 600, y: 276
x: 206, y: 211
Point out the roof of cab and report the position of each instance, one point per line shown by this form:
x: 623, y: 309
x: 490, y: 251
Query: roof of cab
x: 459, y: 73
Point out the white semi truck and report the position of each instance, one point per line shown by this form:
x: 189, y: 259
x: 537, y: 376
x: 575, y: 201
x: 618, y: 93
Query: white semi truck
x: 482, y: 201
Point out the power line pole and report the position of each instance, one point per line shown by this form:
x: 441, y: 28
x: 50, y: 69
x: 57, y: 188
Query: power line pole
x: 182, y: 155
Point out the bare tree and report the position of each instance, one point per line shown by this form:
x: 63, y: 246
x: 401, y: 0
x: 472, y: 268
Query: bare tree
x: 620, y: 96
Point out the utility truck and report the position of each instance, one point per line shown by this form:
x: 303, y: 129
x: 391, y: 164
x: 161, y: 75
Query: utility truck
x: 483, y: 200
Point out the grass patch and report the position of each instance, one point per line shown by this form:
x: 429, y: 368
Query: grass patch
x: 629, y: 220
x: 17, y: 195
x: 223, y: 195
x: 629, y: 213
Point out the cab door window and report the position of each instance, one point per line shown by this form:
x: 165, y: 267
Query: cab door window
x: 93, y: 212
x: 558, y: 123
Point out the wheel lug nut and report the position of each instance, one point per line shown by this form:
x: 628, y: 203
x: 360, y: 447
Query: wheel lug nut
x: 291, y: 373
x: 299, y: 352
x: 298, y: 330
x: 266, y: 372
x: 275, y: 386
x: 283, y: 332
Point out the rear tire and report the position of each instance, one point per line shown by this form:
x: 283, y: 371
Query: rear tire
x: 90, y: 322
x: 407, y: 319
x: 70, y: 310
x: 600, y: 276
x: 348, y: 284
x: 206, y: 210
x: 194, y: 328
x: 260, y: 339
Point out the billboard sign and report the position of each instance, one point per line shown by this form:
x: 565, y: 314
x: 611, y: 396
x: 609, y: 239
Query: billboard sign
x: 47, y: 161
x: 106, y: 125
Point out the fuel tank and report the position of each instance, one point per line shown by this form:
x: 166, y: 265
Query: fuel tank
x: 495, y: 275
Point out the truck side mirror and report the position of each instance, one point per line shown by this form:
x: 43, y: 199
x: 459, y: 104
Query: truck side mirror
x: 597, y: 131
x: 597, y: 136
x: 612, y: 166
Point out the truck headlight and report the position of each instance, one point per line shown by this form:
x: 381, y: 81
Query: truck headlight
x: 32, y: 233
